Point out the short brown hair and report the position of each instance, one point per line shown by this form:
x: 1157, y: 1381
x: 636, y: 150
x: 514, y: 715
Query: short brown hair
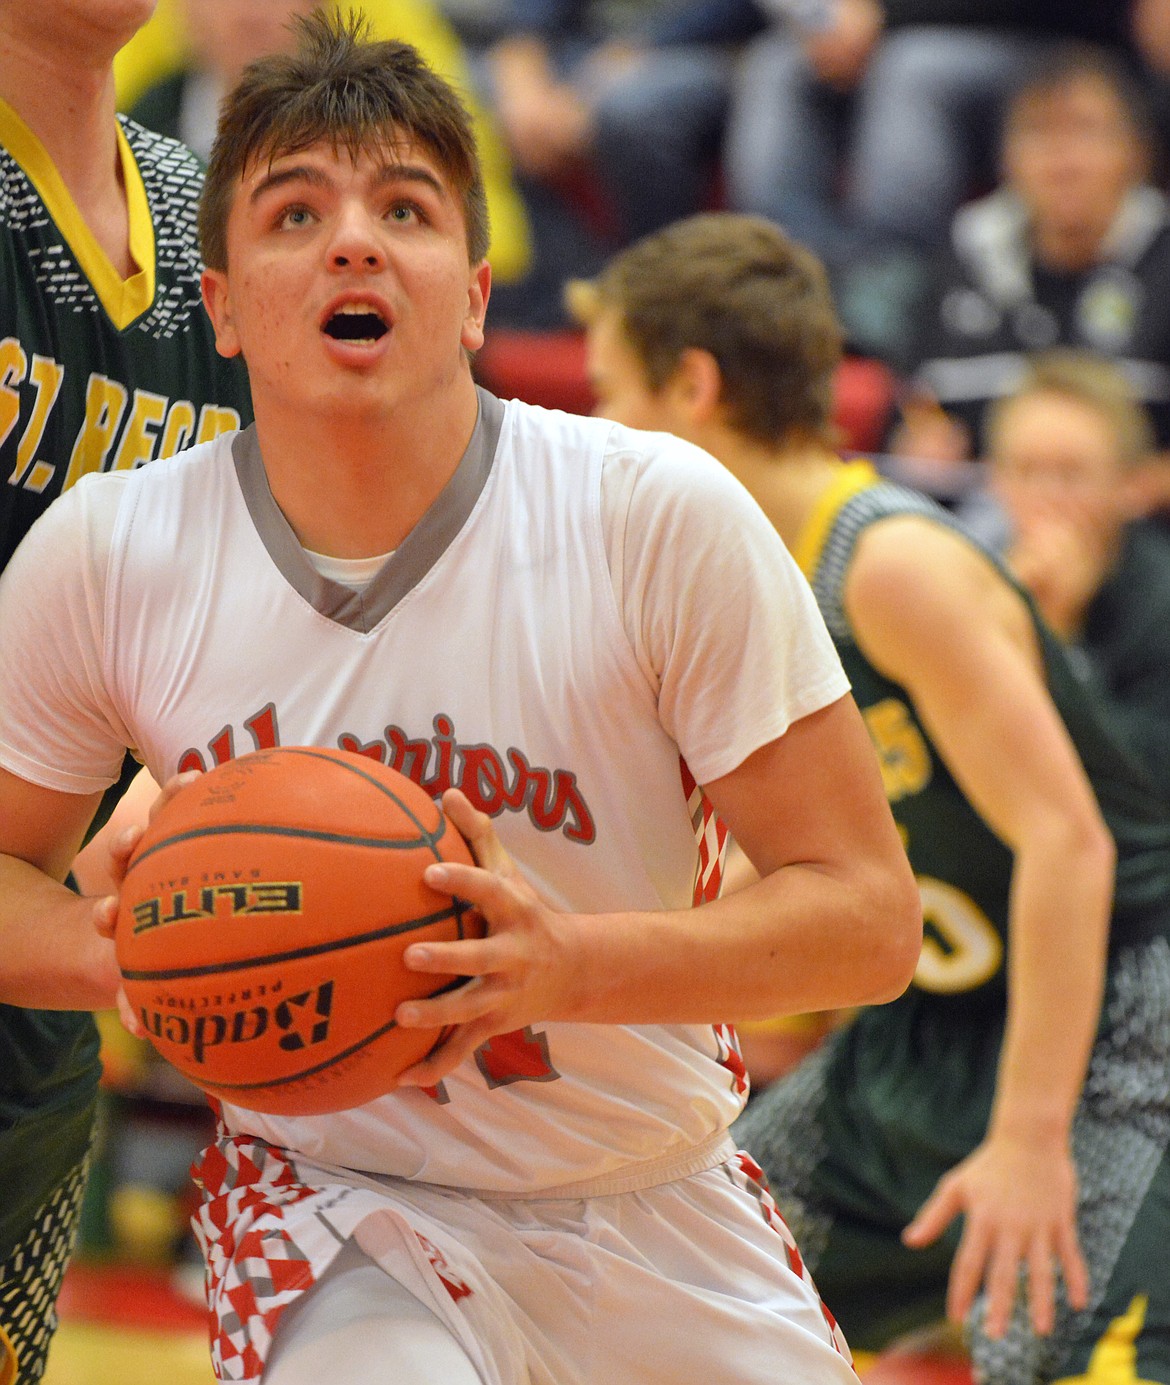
x: 1089, y: 379
x: 341, y: 87
x: 737, y: 287
x: 1071, y: 62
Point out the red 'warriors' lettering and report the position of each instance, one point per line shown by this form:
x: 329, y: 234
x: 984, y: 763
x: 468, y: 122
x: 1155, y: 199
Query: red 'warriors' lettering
x: 495, y: 781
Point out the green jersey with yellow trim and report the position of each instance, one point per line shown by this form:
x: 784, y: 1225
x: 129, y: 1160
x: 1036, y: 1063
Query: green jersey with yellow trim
x: 856, y: 1138
x: 97, y: 372
x: 963, y: 869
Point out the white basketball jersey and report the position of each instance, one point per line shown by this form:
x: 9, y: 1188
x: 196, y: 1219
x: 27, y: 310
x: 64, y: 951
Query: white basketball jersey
x: 489, y: 653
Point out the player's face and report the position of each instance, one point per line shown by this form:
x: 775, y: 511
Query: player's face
x: 348, y: 285
x: 620, y: 384
x: 1058, y: 456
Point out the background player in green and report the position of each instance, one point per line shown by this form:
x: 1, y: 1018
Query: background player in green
x: 106, y: 360
x: 1022, y: 1082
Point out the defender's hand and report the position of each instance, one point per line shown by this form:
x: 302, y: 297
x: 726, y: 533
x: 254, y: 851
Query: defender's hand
x: 1018, y: 1201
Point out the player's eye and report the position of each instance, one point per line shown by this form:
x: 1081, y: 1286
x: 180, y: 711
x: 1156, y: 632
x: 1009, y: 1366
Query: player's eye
x: 293, y: 217
x: 404, y: 213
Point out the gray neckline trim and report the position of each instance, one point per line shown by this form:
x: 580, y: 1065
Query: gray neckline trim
x: 410, y: 562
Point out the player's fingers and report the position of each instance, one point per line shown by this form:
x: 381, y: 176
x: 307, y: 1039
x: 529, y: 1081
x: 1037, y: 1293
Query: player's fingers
x: 122, y: 847
x: 170, y: 789
x: 1072, y: 1265
x: 444, y: 1059
x: 495, y: 896
x: 129, y: 1016
x: 477, y: 830
x: 1041, y: 1286
x: 934, y: 1216
x: 967, y: 1271
x: 461, y: 1003
x: 467, y: 957
x: 1002, y: 1284
x: 105, y: 915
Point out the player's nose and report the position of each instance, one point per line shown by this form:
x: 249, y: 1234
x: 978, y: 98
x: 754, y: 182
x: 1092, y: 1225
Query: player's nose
x: 356, y: 242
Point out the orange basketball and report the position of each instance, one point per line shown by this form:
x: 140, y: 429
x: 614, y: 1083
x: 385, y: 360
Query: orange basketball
x: 262, y: 924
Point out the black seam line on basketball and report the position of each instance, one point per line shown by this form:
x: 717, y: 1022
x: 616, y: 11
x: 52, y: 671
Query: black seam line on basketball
x: 295, y: 954
x: 432, y: 837
x: 337, y: 1058
x: 259, y: 829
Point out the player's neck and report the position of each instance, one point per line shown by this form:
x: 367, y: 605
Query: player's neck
x: 71, y: 108
x: 354, y: 488
x: 786, y: 482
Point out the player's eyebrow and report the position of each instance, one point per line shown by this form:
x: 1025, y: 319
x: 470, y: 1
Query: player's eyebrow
x: 292, y: 173
x: 309, y: 173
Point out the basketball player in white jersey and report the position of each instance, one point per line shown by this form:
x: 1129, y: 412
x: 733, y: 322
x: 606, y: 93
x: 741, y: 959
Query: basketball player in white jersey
x: 564, y: 628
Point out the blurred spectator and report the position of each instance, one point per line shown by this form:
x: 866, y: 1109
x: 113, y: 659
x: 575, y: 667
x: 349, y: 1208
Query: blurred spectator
x: 1067, y: 450
x: 614, y: 117
x: 1072, y: 250
x: 172, y: 75
x: 861, y: 125
x: 221, y: 38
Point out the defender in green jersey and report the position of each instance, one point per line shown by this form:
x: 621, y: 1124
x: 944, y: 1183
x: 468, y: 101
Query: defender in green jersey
x: 107, y: 360
x: 1022, y: 1083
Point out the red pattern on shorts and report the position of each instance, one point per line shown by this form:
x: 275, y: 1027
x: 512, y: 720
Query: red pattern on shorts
x: 455, y: 1286
x: 756, y: 1176
x: 254, y: 1267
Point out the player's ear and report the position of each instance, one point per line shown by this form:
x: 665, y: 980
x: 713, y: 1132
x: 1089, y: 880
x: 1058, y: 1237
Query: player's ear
x: 217, y: 301
x: 698, y: 384
x: 478, y: 291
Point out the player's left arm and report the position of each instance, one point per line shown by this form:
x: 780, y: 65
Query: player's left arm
x: 932, y: 613
x: 833, y: 921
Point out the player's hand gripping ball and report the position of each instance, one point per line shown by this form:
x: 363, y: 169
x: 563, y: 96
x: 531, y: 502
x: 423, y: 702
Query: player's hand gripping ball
x: 263, y: 919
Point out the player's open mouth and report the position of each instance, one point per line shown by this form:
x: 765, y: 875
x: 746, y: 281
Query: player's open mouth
x: 356, y: 322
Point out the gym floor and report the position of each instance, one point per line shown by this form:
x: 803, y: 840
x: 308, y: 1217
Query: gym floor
x: 127, y: 1326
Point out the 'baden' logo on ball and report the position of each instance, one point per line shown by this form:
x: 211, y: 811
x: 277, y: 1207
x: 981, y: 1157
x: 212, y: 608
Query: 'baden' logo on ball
x: 304, y: 1020
x: 263, y: 923
x: 223, y: 901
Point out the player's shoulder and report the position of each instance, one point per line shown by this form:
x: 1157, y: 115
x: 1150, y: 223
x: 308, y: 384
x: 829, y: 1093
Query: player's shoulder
x: 190, y: 466
x: 653, y: 467
x: 629, y: 446
x: 196, y: 470
x: 911, y: 555
x: 918, y: 586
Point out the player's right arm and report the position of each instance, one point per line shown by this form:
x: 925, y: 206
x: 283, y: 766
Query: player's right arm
x: 51, y: 954
x: 60, y: 746
x: 932, y: 613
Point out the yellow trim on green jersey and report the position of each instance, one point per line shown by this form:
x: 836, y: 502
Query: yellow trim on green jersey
x: 851, y: 478
x: 123, y: 299
x: 1114, y: 1358
x: 9, y: 1361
